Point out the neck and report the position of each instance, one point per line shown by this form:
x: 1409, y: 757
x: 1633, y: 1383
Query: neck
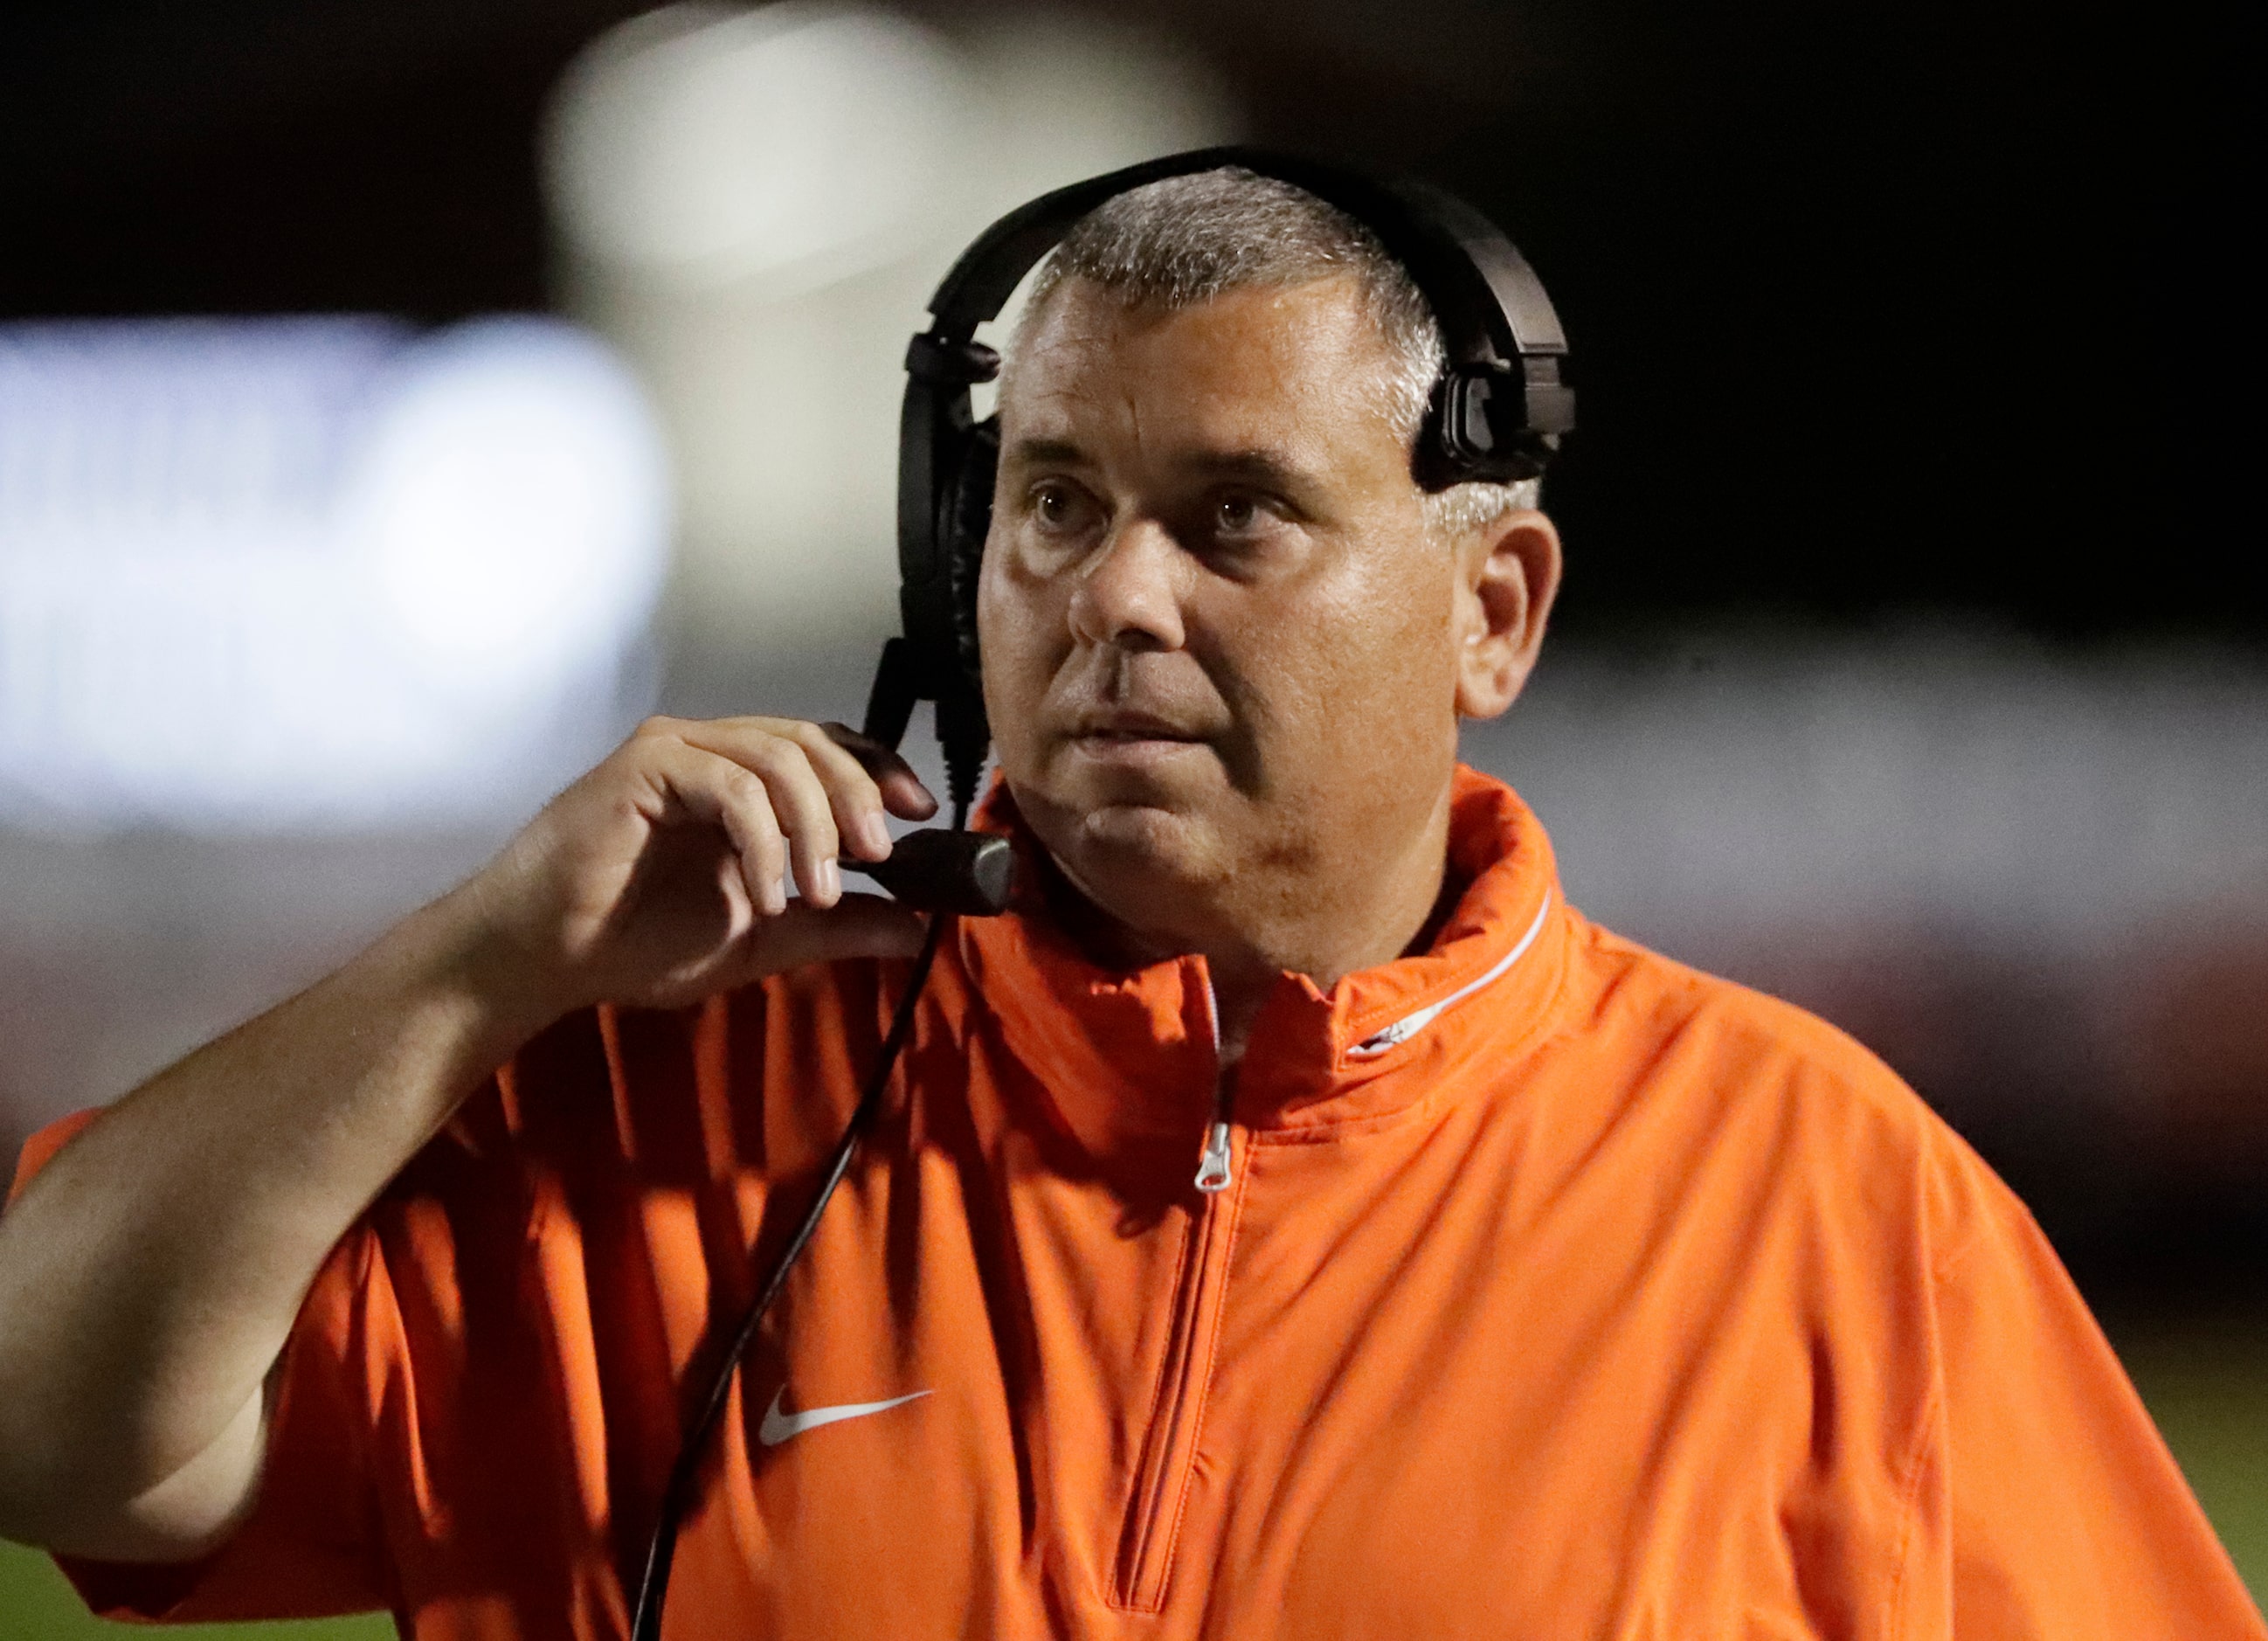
x: 1322, y: 924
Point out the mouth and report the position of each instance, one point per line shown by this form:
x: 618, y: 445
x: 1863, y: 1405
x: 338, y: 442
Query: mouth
x: 1132, y: 737
x: 1131, y: 726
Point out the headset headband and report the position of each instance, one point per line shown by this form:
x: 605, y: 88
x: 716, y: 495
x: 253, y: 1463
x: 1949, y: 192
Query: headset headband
x: 1497, y: 413
x: 1478, y: 284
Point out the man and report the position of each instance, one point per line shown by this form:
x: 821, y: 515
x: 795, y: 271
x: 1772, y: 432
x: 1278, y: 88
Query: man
x: 1533, y: 1285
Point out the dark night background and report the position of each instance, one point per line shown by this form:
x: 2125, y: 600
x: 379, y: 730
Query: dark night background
x: 1876, y: 308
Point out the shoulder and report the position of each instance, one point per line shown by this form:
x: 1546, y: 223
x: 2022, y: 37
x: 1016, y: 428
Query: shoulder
x: 1750, y: 1084
x: 1652, y: 1005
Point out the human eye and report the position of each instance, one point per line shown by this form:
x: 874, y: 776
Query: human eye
x: 1243, y: 519
x: 1060, y: 507
x: 1236, y: 514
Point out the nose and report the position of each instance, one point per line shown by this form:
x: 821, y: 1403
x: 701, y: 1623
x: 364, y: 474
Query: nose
x: 1130, y: 591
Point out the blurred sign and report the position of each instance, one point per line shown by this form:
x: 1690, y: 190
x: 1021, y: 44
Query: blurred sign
x: 315, y: 572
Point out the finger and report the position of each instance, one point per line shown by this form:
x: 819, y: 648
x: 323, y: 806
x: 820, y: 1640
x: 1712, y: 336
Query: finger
x: 902, y: 789
x: 725, y: 794
x: 856, y: 798
x: 800, y: 800
x: 806, y: 810
x: 859, y: 925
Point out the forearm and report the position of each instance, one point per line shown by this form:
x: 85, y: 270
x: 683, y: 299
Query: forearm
x: 151, y: 1273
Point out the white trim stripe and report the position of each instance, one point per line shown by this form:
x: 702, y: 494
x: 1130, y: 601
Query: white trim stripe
x: 1409, y: 1025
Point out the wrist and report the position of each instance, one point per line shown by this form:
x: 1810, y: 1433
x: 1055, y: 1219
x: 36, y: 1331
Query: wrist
x: 464, y: 952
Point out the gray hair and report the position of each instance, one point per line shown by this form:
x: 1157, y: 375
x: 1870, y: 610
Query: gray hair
x: 1186, y: 239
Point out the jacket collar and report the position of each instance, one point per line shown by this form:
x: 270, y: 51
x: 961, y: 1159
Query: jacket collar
x: 1125, y: 1054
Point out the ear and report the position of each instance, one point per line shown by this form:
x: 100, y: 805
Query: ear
x: 1509, y: 573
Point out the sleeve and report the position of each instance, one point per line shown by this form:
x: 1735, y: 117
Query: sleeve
x: 310, y: 1547
x: 2062, y: 1513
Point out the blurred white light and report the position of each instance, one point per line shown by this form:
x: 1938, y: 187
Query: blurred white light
x: 511, y: 497
x: 315, y: 572
x: 793, y: 141
x: 754, y: 206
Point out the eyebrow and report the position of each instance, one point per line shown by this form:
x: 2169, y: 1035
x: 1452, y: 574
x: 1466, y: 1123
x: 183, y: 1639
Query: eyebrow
x: 1046, y: 452
x: 1262, y: 469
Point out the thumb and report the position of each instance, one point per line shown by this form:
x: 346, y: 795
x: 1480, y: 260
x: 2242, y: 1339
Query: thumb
x: 858, y: 925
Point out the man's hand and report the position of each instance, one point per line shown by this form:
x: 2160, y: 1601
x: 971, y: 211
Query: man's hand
x: 658, y: 877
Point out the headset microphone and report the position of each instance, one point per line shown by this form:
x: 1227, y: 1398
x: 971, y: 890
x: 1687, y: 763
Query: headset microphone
x: 1496, y: 414
x: 969, y: 874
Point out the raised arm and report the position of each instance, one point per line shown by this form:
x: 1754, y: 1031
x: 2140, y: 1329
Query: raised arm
x: 151, y: 1273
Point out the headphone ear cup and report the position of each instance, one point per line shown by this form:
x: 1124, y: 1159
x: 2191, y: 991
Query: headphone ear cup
x: 1475, y: 429
x: 968, y: 517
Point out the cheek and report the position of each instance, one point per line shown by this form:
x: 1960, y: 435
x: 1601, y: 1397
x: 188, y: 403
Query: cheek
x: 1393, y: 611
x: 1373, y: 669
x: 1016, y: 630
x: 1411, y: 613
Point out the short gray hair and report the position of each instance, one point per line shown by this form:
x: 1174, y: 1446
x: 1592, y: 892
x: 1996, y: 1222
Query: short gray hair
x: 1186, y: 239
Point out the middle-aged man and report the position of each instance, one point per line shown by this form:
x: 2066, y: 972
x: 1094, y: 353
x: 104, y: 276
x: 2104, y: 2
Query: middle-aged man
x: 1553, y: 1289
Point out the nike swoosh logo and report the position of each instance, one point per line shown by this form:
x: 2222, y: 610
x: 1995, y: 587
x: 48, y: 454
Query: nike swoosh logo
x: 778, y: 1427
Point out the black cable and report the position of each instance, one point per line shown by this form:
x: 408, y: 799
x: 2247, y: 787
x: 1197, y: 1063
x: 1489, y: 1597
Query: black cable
x: 662, y: 1551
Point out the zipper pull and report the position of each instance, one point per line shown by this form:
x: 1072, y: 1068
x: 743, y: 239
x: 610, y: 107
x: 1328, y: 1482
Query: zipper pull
x: 1212, y: 1168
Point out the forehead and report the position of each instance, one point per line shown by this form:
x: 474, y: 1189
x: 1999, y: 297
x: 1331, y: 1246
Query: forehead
x: 1258, y: 364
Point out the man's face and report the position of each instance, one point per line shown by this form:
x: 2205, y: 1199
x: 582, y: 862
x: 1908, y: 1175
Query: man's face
x: 1220, y: 643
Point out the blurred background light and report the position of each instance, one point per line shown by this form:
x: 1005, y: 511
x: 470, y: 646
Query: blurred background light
x: 754, y: 206
x: 790, y: 144
x: 269, y: 575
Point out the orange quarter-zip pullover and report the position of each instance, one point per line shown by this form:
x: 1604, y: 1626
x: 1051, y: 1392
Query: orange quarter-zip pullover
x: 1540, y: 1286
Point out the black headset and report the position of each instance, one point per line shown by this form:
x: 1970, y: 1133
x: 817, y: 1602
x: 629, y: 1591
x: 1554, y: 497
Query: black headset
x: 1497, y: 413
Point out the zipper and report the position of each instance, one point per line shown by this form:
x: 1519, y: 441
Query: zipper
x: 1213, y: 1176
x: 1146, y: 1544
x: 1145, y: 1547
x: 1409, y: 1025
x: 1212, y: 1168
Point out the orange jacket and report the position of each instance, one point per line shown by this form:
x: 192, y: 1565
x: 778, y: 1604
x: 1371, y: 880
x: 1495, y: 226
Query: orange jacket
x: 1557, y: 1292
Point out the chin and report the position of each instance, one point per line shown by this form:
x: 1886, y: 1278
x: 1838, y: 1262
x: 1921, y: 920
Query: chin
x: 1140, y: 837
x: 1129, y: 857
